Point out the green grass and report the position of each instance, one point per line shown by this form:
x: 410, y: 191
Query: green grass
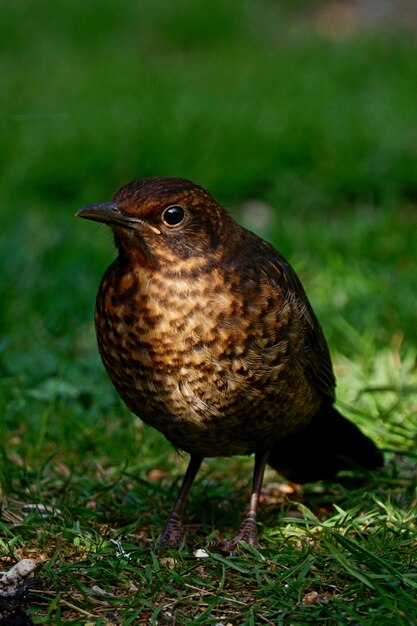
x: 250, y: 101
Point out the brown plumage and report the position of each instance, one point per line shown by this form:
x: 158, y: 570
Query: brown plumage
x: 208, y: 335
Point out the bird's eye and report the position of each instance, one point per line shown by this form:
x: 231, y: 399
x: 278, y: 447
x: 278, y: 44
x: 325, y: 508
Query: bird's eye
x: 173, y: 215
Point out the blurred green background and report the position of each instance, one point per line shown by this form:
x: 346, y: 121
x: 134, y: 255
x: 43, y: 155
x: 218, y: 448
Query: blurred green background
x: 299, y: 116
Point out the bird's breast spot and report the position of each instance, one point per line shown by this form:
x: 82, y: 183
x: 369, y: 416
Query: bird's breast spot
x: 121, y: 328
x: 183, y: 389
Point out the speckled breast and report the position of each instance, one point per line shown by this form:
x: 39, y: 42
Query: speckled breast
x: 211, y: 368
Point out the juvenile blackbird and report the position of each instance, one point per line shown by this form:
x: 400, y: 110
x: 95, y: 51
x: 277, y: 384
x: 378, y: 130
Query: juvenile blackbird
x: 208, y: 335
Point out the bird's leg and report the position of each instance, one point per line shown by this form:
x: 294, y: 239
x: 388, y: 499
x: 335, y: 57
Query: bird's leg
x: 247, y: 529
x: 173, y: 532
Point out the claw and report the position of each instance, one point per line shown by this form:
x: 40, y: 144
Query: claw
x: 247, y: 531
x: 246, y: 534
x: 173, y: 534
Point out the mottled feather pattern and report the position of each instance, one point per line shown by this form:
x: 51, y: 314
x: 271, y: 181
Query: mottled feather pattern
x: 208, y: 335
x: 186, y: 365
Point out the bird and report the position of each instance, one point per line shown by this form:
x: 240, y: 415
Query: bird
x: 208, y: 336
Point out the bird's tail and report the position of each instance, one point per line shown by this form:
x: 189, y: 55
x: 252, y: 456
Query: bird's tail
x: 329, y: 443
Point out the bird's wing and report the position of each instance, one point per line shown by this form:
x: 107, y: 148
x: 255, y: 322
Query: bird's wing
x: 314, y: 355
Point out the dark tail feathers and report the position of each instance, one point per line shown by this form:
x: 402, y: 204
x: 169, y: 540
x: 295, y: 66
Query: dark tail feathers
x: 330, y: 443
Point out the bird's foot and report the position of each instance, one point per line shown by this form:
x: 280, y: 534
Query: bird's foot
x: 247, y: 534
x: 173, y: 534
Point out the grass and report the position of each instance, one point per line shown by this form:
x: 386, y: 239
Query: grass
x: 252, y: 101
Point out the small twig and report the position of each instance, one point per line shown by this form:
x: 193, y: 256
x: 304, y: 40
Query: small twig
x: 213, y: 593
x: 76, y: 608
x: 265, y: 619
x: 62, y: 601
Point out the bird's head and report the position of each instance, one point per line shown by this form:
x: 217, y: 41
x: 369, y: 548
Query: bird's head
x: 161, y: 218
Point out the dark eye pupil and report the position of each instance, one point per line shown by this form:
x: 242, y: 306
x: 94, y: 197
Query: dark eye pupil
x: 173, y: 215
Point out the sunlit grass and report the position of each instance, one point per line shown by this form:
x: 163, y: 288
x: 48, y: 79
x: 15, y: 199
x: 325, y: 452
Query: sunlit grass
x: 250, y: 101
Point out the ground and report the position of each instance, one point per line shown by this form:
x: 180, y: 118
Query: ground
x: 304, y: 127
